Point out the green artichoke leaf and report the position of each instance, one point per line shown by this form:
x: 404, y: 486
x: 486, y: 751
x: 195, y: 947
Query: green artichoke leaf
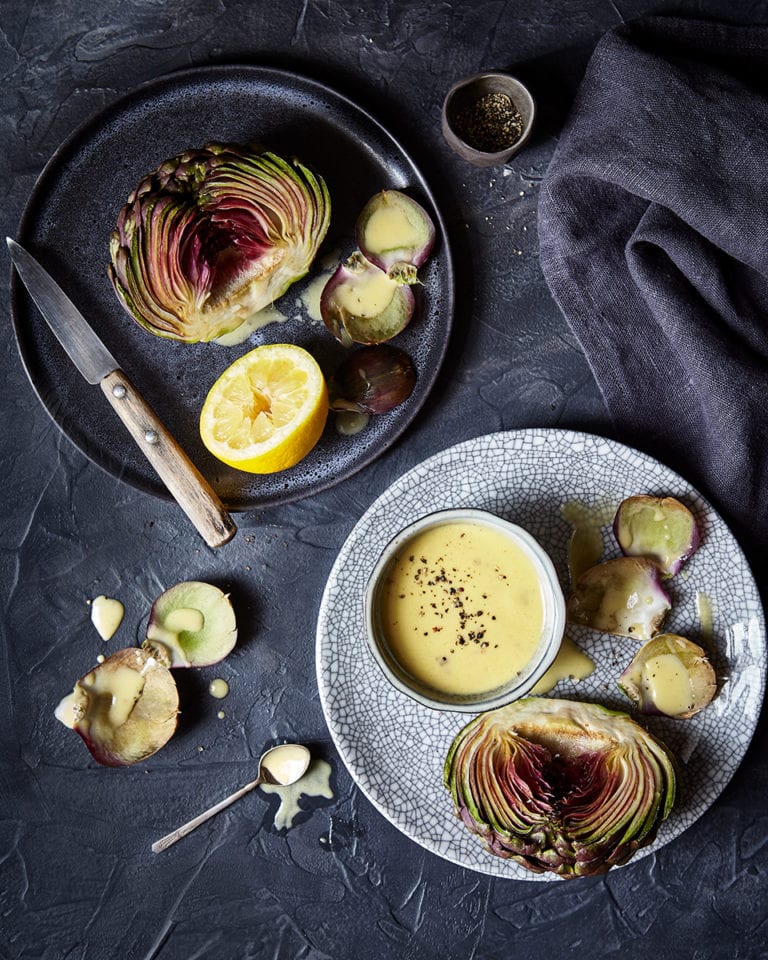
x: 214, y: 235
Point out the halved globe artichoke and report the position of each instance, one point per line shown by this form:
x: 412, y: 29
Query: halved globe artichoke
x: 213, y: 236
x: 561, y: 786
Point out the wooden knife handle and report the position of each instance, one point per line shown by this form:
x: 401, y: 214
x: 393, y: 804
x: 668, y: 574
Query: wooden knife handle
x: 182, y: 478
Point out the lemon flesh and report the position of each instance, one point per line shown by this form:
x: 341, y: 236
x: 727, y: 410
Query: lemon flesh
x: 267, y: 410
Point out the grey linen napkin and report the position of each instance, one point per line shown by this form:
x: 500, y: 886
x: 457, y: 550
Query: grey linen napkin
x: 653, y: 231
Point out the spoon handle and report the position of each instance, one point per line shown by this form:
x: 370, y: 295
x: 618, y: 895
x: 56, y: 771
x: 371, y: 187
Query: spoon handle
x: 179, y: 832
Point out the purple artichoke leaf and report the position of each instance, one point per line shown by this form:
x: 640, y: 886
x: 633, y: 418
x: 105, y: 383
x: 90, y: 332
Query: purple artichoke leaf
x: 373, y: 379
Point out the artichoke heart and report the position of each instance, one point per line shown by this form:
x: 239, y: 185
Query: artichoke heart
x: 214, y: 235
x: 560, y: 786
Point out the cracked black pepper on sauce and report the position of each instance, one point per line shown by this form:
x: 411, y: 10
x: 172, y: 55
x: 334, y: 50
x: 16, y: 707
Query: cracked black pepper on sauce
x: 490, y: 124
x: 462, y: 608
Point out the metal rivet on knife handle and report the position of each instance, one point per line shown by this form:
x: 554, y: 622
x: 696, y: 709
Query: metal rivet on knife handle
x: 187, y: 485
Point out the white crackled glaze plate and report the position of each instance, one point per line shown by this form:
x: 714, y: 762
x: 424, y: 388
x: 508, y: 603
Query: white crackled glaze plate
x: 394, y: 748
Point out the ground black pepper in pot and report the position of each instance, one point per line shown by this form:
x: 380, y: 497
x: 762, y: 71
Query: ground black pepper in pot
x: 487, y: 119
x: 491, y: 124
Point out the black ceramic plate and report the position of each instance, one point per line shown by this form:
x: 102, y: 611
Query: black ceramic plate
x: 73, y: 209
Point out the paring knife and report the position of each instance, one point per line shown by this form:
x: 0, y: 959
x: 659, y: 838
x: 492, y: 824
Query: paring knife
x: 184, y: 481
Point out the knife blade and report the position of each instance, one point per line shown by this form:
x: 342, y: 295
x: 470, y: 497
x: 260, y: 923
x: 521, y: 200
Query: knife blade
x: 94, y: 361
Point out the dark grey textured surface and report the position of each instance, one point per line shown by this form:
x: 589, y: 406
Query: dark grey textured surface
x: 76, y: 876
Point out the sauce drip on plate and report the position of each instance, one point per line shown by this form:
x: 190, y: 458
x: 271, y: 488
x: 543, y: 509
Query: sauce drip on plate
x: 571, y: 663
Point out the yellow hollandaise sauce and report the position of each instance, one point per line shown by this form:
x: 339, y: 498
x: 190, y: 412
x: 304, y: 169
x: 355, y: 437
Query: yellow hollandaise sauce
x: 571, y: 663
x: 316, y: 782
x: 667, y: 684
x: 369, y: 298
x: 111, y: 697
x: 391, y: 228
x: 106, y: 615
x: 462, y: 608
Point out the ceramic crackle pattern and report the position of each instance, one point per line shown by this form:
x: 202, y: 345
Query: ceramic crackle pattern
x: 395, y: 748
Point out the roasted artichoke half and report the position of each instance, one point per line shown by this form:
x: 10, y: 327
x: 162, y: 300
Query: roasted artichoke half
x: 214, y: 235
x: 560, y: 786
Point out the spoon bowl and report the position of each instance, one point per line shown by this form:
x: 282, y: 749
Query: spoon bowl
x: 284, y: 764
x: 281, y: 765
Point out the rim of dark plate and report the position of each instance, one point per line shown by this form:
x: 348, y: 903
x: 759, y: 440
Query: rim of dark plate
x: 137, y: 93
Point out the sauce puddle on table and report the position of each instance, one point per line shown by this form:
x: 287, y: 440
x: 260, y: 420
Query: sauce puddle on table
x: 106, y: 616
x: 218, y: 688
x: 316, y: 782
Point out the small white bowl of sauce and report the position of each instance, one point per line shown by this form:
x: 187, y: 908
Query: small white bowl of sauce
x: 464, y: 611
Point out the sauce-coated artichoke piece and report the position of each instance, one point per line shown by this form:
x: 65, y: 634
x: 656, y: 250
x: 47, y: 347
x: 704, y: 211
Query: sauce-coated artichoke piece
x: 560, y: 786
x: 671, y: 676
x: 361, y: 304
x: 623, y: 596
x: 661, y: 528
x: 192, y: 624
x: 125, y: 709
x: 396, y: 234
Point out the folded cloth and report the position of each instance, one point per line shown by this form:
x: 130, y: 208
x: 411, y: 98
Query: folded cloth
x: 653, y: 231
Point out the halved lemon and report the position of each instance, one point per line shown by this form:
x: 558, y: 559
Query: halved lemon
x: 266, y: 411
